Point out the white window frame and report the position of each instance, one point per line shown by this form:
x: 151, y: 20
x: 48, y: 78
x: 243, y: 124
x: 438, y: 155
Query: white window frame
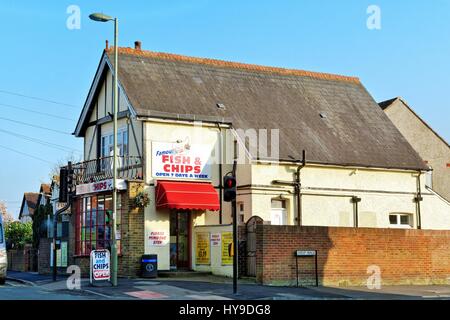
x: 282, y: 213
x: 120, y: 144
x: 241, y: 213
x: 398, y: 225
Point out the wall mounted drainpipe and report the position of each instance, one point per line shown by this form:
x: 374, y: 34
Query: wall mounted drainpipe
x: 220, y: 173
x: 355, y: 201
x: 298, y: 188
x: 418, y: 199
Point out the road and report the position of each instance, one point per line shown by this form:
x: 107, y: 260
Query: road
x: 31, y: 286
x: 13, y: 290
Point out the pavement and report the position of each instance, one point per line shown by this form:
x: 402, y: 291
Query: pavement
x: 32, y: 286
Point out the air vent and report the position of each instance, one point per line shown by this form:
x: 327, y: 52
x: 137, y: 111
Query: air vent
x: 221, y: 106
x: 323, y: 115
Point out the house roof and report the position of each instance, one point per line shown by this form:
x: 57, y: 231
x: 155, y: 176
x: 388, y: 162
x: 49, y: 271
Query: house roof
x: 45, y: 188
x: 332, y: 117
x: 31, y: 199
x: 388, y: 103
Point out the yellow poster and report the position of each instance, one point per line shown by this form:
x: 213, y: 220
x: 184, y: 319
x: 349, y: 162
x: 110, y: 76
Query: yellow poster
x: 202, y: 250
x: 227, y: 242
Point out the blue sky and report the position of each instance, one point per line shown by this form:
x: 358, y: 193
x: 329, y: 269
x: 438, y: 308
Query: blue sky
x: 41, y: 57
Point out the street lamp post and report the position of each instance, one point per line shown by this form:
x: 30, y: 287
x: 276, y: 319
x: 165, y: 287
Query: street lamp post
x: 104, y: 18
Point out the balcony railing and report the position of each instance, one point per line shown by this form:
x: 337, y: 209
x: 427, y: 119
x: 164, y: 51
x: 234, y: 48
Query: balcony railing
x: 130, y: 168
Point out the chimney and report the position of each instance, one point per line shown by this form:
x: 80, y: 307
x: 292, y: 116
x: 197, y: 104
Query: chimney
x: 107, y: 45
x: 137, y: 45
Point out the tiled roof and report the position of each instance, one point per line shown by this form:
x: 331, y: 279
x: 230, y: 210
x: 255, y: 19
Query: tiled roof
x: 232, y: 65
x: 31, y: 199
x: 45, y: 188
x: 332, y: 117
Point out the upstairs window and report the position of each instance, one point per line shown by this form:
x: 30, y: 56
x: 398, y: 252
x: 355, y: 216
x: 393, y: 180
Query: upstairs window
x: 108, y: 143
x: 401, y: 220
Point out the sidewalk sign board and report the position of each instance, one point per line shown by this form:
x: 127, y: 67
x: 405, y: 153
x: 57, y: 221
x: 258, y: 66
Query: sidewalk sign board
x: 100, y: 266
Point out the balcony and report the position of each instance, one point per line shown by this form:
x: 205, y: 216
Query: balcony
x: 128, y: 168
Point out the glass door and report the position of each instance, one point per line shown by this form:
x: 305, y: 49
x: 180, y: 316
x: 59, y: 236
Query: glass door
x: 179, y: 240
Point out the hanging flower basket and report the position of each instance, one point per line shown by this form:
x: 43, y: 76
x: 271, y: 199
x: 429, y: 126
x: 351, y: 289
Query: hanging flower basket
x: 141, y: 200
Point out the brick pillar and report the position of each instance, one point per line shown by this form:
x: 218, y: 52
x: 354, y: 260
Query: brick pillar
x: 132, y: 231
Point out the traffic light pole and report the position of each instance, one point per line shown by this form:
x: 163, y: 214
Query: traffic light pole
x: 235, y: 237
x: 55, y: 223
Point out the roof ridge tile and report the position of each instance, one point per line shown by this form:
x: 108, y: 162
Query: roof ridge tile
x: 234, y: 65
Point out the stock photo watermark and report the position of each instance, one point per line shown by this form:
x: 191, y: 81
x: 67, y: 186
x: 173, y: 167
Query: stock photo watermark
x: 374, y: 280
x: 73, y: 21
x: 73, y: 282
x: 374, y: 19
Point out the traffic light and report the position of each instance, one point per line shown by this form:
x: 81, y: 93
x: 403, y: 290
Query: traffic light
x: 229, y: 185
x: 63, y: 184
x: 70, y: 186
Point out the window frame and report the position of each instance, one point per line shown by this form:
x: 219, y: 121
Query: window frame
x: 241, y: 213
x: 87, y: 225
x: 282, y: 210
x: 122, y: 144
x: 399, y: 224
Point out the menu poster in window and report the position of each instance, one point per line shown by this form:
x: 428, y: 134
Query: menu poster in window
x: 158, y: 238
x: 64, y: 254
x: 215, y: 239
x: 202, y: 250
x: 227, y: 242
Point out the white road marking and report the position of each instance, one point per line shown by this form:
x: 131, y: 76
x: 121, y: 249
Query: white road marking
x: 99, y: 294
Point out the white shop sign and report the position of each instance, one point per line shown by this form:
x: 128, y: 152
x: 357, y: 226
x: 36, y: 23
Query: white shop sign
x: 181, y: 161
x: 100, y: 265
x: 100, y: 186
x: 158, y: 238
x: 216, y: 239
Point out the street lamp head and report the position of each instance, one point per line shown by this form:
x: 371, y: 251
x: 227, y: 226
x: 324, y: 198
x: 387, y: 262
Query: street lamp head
x: 100, y: 17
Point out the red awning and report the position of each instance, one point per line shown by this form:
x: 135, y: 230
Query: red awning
x: 186, y: 195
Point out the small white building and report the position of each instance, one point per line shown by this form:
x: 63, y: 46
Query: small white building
x: 181, y: 122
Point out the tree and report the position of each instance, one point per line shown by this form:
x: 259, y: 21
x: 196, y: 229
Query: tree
x: 72, y: 157
x: 18, y: 234
x: 7, y: 217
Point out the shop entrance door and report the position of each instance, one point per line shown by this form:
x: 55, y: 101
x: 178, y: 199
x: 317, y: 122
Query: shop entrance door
x: 179, y: 240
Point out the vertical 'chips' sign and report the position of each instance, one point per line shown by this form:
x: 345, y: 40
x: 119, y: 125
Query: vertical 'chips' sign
x: 100, y: 265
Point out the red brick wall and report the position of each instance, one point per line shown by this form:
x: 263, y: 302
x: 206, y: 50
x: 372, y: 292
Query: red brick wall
x: 21, y: 259
x: 44, y: 256
x: 344, y: 254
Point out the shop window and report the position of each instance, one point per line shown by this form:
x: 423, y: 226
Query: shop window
x: 401, y: 220
x: 93, y: 225
x: 278, y: 212
x: 241, y: 215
